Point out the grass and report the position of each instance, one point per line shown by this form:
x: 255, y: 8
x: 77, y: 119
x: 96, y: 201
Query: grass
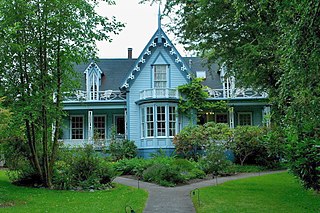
x: 23, y: 199
x: 279, y: 192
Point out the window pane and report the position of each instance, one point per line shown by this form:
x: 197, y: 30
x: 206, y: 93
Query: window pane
x: 150, y: 127
x: 161, y: 121
x: 77, y: 127
x: 221, y: 118
x: 160, y: 76
x: 245, y: 119
x: 99, y: 127
x: 172, y: 121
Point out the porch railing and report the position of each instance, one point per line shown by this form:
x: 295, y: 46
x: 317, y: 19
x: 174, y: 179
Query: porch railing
x: 159, y: 93
x: 97, y: 144
x: 101, y: 96
x: 236, y: 93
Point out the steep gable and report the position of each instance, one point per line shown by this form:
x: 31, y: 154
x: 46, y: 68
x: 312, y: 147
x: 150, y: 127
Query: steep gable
x: 159, y: 39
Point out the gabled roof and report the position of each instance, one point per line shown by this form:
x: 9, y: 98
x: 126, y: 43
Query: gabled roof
x: 158, y: 39
x: 113, y: 72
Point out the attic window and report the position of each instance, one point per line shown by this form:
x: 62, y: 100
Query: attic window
x: 201, y: 74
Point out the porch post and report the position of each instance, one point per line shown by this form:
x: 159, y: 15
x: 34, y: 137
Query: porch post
x: 266, y: 115
x: 125, y: 124
x: 90, y: 128
x: 231, y: 117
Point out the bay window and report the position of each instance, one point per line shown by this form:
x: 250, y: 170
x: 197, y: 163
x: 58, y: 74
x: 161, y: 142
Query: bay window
x: 158, y: 121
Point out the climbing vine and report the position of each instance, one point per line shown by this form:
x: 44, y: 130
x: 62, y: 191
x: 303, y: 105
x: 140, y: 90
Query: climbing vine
x: 194, y: 98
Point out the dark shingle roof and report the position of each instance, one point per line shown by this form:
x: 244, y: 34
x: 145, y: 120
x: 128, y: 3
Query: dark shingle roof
x: 116, y: 70
x: 212, y: 76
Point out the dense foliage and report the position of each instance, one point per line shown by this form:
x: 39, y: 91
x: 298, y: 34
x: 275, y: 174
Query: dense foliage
x: 265, y: 44
x: 305, y: 162
x: 166, y: 171
x: 192, y: 139
x: 122, y: 148
x: 194, y: 99
x: 250, y: 145
x: 82, y: 168
x: 40, y: 41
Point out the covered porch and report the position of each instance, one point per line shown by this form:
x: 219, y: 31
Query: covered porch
x: 93, y: 125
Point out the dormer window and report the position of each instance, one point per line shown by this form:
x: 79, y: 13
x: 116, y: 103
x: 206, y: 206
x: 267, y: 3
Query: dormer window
x: 93, y: 81
x: 160, y: 76
x: 201, y: 74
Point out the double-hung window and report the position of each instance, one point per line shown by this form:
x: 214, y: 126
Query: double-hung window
x: 245, y: 118
x: 160, y: 76
x: 161, y: 121
x: 100, y: 127
x: 172, y: 121
x: 77, y: 127
x: 149, y: 122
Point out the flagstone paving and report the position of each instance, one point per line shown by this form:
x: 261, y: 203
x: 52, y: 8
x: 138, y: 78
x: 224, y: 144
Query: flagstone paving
x: 177, y: 199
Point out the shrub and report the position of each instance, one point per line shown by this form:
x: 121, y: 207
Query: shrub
x: 122, y: 148
x: 189, y: 141
x: 163, y: 174
x: 304, y: 160
x: 273, y: 148
x: 194, y: 138
x: 188, y: 169
x: 133, y: 166
x: 82, y: 167
x: 215, y: 161
x: 15, y: 152
x: 246, y: 142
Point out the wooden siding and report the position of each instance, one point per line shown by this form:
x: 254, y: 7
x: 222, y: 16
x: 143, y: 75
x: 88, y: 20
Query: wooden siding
x: 142, y: 82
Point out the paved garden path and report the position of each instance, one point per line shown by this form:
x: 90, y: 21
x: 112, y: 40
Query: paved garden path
x: 177, y: 199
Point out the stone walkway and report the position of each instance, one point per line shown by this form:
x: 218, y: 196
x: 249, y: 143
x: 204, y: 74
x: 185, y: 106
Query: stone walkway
x: 177, y: 199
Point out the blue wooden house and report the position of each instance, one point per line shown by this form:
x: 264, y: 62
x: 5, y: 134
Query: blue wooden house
x: 139, y: 98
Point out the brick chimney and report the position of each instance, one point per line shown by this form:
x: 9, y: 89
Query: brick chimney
x: 129, y: 53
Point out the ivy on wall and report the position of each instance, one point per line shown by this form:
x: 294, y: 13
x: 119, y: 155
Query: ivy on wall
x: 194, y: 98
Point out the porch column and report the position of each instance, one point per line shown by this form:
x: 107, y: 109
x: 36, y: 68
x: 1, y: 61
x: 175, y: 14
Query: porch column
x: 266, y: 115
x: 125, y: 124
x: 231, y: 117
x: 90, y: 127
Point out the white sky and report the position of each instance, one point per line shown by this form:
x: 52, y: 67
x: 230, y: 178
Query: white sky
x: 141, y: 21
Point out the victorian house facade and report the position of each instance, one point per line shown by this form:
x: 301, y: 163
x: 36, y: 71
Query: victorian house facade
x: 138, y: 98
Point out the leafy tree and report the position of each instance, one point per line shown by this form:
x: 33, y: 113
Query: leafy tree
x: 40, y: 41
x: 5, y: 117
x: 267, y: 44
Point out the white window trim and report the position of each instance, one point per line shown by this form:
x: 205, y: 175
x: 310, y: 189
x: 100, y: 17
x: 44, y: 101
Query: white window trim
x: 165, y: 121
x: 167, y: 75
x: 245, y: 113
x: 155, y: 122
x: 77, y: 116
x: 146, y: 123
x: 176, y: 121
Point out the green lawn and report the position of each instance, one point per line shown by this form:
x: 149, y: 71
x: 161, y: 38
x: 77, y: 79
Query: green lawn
x: 270, y: 193
x: 42, y: 200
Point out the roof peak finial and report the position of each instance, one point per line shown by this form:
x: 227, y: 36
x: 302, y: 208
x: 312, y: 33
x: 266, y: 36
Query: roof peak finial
x: 159, y: 25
